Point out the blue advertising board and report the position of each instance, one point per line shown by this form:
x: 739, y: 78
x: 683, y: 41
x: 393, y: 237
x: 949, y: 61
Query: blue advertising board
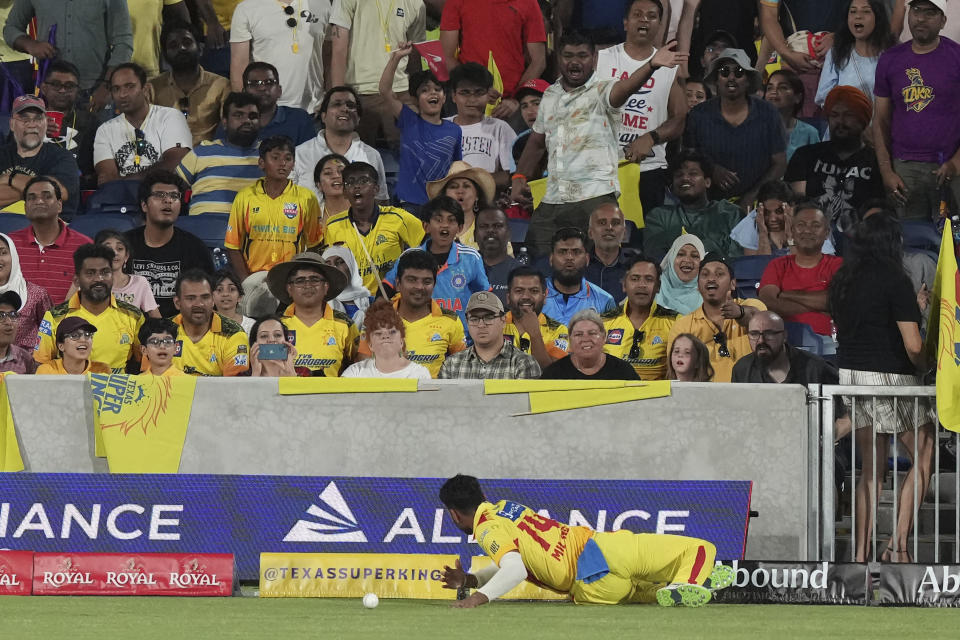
x: 246, y: 515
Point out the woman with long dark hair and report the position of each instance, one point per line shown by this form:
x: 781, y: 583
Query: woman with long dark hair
x: 875, y: 311
x: 857, y: 44
x: 785, y: 91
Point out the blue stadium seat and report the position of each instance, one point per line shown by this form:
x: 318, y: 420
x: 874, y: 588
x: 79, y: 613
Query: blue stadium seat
x: 802, y: 336
x: 118, y: 196
x: 518, y: 229
x: 391, y: 165
x: 209, y: 227
x: 90, y: 225
x: 12, y: 222
x: 920, y: 235
x: 748, y: 271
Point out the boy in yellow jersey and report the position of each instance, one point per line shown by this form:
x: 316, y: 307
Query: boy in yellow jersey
x: 274, y: 218
x: 527, y: 327
x: 325, y: 339
x: 158, y: 340
x: 208, y: 344
x: 637, y: 331
x: 370, y: 231
x: 593, y: 567
x: 117, y: 323
x: 432, y: 333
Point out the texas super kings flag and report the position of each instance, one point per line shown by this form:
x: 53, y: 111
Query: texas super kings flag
x: 141, y: 421
x: 943, y: 332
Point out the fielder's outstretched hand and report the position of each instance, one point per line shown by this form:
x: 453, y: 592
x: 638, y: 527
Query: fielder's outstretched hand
x: 453, y: 577
x: 475, y: 600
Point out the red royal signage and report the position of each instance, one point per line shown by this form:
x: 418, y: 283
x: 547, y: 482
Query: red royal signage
x: 134, y: 574
x: 16, y: 573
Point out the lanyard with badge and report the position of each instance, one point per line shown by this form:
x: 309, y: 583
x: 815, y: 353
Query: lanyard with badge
x: 385, y: 23
x: 292, y: 22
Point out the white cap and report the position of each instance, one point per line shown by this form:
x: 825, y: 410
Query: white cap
x: 939, y: 4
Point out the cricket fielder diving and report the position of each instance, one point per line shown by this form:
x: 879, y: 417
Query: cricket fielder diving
x: 593, y: 567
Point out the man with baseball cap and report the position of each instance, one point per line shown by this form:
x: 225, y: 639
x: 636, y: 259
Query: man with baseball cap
x: 529, y: 95
x: 12, y: 356
x: 743, y: 135
x: 326, y: 339
x: 28, y: 156
x: 915, y: 124
x: 490, y: 356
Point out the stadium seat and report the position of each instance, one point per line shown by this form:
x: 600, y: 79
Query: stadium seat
x: 12, y: 222
x: 209, y: 227
x: 518, y: 229
x: 920, y: 235
x: 118, y: 197
x: 90, y: 225
x: 748, y: 271
x: 801, y: 336
x: 390, y: 163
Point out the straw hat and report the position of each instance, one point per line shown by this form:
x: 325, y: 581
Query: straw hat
x: 460, y: 169
x: 277, y: 276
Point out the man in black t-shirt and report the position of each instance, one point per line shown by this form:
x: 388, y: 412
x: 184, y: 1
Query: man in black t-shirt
x: 28, y: 156
x: 773, y: 361
x: 160, y: 251
x: 840, y: 175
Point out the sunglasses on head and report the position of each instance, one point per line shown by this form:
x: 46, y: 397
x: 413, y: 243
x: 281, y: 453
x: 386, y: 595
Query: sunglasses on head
x: 726, y: 69
x: 721, y: 339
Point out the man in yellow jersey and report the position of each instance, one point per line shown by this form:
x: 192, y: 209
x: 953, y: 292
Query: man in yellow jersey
x: 274, y: 218
x: 432, y: 332
x: 371, y: 232
x: 638, y: 330
x: 593, y: 567
x: 721, y: 321
x: 527, y: 327
x: 117, y: 323
x: 326, y: 339
x: 208, y: 344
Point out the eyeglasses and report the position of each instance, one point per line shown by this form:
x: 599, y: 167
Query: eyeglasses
x: 270, y: 82
x: 636, y: 351
x: 721, y: 339
x: 164, y: 195
x: 767, y: 335
x: 726, y: 70
x: 79, y: 334
x: 9, y: 316
x: 362, y: 181
x: 291, y: 22
x: 483, y: 321
x: 161, y: 342
x: 307, y: 281
x: 25, y: 118
x: 62, y: 86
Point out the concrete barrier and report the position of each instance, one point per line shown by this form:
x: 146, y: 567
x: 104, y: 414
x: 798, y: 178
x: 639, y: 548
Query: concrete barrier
x: 701, y: 432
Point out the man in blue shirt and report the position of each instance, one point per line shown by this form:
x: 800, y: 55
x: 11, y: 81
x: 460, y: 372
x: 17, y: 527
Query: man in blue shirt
x: 567, y: 290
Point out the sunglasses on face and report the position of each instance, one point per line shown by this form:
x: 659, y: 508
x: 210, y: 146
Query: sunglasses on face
x: 737, y: 71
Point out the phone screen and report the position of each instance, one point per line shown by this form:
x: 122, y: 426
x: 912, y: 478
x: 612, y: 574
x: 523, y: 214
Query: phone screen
x: 272, y: 352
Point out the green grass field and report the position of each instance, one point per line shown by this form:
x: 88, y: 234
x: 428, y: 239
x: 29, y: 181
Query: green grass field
x: 104, y: 618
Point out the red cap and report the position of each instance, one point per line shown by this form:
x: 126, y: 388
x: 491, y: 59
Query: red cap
x: 22, y: 103
x: 537, y: 85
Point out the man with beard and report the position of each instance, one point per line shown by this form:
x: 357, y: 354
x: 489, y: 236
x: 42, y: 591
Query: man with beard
x: 143, y: 135
x: 795, y: 285
x: 118, y: 323
x: 77, y: 127
x: 710, y: 220
x: 28, y: 156
x: 637, y: 332
x: 46, y: 246
x: 262, y: 80
x: 775, y: 361
x: 567, y: 290
x: 216, y: 171
x: 160, y: 251
x: 840, y: 175
x: 607, y: 264
x: 526, y: 326
x: 492, y: 234
x: 340, y: 113
x: 208, y: 344
x: 196, y: 92
x: 581, y: 114
x: 915, y: 124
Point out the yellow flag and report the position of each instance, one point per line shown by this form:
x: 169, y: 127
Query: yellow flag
x: 629, y: 202
x: 943, y: 332
x: 303, y: 386
x: 494, y: 387
x: 142, y: 420
x: 10, y: 459
x: 497, y: 82
x: 547, y: 401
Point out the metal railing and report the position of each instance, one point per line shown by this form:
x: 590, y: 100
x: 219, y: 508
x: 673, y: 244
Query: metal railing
x: 822, y: 420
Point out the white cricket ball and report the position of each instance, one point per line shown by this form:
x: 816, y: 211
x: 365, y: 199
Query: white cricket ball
x: 370, y: 601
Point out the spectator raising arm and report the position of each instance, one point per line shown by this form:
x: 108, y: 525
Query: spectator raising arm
x: 527, y: 165
x: 386, y: 79
x: 239, y: 59
x: 668, y: 56
x: 773, y: 33
x: 685, y: 32
x: 216, y: 34
x: 339, y: 49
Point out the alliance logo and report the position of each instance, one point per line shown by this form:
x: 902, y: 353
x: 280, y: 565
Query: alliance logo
x: 338, y: 526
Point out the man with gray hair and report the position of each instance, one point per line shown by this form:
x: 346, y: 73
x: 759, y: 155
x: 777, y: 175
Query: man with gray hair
x: 587, y: 360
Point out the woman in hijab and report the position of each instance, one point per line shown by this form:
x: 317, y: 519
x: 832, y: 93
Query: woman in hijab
x: 35, y: 299
x: 681, y: 266
x: 355, y: 298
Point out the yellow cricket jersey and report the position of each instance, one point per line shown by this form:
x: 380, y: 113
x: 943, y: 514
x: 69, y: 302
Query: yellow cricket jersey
x: 268, y: 230
x: 222, y: 351
x: 549, y: 549
x: 555, y: 336
x: 430, y: 339
x: 394, y: 231
x: 650, y: 362
x: 699, y: 325
x: 114, y: 343
x: 328, y: 344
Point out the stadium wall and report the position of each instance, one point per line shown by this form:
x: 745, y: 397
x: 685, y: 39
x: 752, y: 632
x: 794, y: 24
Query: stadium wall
x: 701, y: 432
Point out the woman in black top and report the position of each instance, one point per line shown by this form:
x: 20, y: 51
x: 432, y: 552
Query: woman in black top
x: 875, y: 312
x: 587, y: 361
